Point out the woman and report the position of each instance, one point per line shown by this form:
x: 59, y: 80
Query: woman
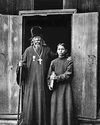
x: 35, y: 64
x: 61, y: 100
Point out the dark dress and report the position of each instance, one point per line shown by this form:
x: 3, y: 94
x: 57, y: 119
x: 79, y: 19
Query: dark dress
x: 36, y: 97
x: 61, y: 100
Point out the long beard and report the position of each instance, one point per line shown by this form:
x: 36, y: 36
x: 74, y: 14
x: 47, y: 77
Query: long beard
x: 38, y: 49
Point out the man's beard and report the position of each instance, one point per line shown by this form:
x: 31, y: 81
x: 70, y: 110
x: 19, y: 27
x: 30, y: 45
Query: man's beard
x: 38, y: 49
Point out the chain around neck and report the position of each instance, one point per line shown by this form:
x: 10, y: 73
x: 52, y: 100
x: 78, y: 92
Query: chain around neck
x: 37, y: 52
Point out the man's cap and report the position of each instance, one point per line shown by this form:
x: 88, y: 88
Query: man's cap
x: 36, y: 31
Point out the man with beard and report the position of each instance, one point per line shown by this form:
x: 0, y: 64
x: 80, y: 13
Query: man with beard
x: 35, y: 63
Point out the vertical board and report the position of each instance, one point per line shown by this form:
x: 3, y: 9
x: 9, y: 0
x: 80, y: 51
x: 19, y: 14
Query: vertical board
x: 14, y: 55
x: 69, y: 4
x: 12, y: 7
x: 10, y: 53
x: 84, y: 52
x: 4, y: 34
x: 88, y: 5
x: 25, y: 5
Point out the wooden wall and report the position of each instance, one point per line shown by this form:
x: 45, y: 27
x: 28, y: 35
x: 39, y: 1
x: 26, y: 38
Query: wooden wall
x: 82, y: 5
x: 12, y: 7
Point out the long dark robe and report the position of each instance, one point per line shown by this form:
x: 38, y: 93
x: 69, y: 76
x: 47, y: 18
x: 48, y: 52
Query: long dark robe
x: 61, y: 100
x: 36, y: 97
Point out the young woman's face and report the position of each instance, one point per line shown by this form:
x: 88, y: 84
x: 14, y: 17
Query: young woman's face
x: 61, y: 50
x: 37, y: 42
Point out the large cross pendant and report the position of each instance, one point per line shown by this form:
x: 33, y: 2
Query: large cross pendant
x: 40, y: 61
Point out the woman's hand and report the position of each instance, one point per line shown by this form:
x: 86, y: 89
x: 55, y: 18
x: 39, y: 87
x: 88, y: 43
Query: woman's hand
x: 53, y: 76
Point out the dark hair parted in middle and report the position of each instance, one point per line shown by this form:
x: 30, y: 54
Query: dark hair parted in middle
x: 62, y: 44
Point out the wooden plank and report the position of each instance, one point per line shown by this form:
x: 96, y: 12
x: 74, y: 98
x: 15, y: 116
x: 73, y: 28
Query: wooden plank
x: 47, y: 12
x: 14, y: 54
x: 10, y: 53
x: 12, y: 7
x: 25, y: 4
x: 84, y: 52
x: 98, y: 71
x: 90, y: 100
x: 4, y: 27
x: 4, y: 6
x: 87, y: 5
x: 68, y: 4
x: 8, y: 122
x: 82, y: 5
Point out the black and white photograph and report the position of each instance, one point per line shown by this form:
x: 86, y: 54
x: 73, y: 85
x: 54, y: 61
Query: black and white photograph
x: 49, y: 62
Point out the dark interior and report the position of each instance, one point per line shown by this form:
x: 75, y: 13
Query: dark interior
x: 56, y: 29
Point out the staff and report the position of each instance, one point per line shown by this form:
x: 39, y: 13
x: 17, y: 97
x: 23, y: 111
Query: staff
x: 19, y: 121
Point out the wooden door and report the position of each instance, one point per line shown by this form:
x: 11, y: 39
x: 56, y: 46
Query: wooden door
x: 10, y: 53
x: 14, y: 54
x: 84, y: 52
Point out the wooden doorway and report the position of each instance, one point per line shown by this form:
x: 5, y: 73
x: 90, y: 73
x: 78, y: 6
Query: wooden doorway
x: 56, y: 27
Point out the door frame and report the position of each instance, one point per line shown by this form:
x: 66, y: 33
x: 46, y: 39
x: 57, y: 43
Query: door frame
x: 47, y: 12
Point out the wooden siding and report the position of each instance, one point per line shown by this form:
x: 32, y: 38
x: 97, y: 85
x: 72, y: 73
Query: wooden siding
x: 82, y: 5
x: 12, y: 7
x: 84, y: 51
x: 4, y: 27
x: 69, y: 4
x: 98, y: 71
x: 88, y: 5
x: 14, y: 54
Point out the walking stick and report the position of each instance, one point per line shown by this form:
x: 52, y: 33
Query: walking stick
x: 19, y: 121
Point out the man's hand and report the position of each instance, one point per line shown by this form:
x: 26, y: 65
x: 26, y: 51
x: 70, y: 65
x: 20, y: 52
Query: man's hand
x: 20, y: 63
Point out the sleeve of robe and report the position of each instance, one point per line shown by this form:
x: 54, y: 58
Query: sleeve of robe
x: 68, y: 73
x: 23, y: 70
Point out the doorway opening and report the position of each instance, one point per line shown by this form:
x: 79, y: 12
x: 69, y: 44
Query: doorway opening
x: 56, y: 29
